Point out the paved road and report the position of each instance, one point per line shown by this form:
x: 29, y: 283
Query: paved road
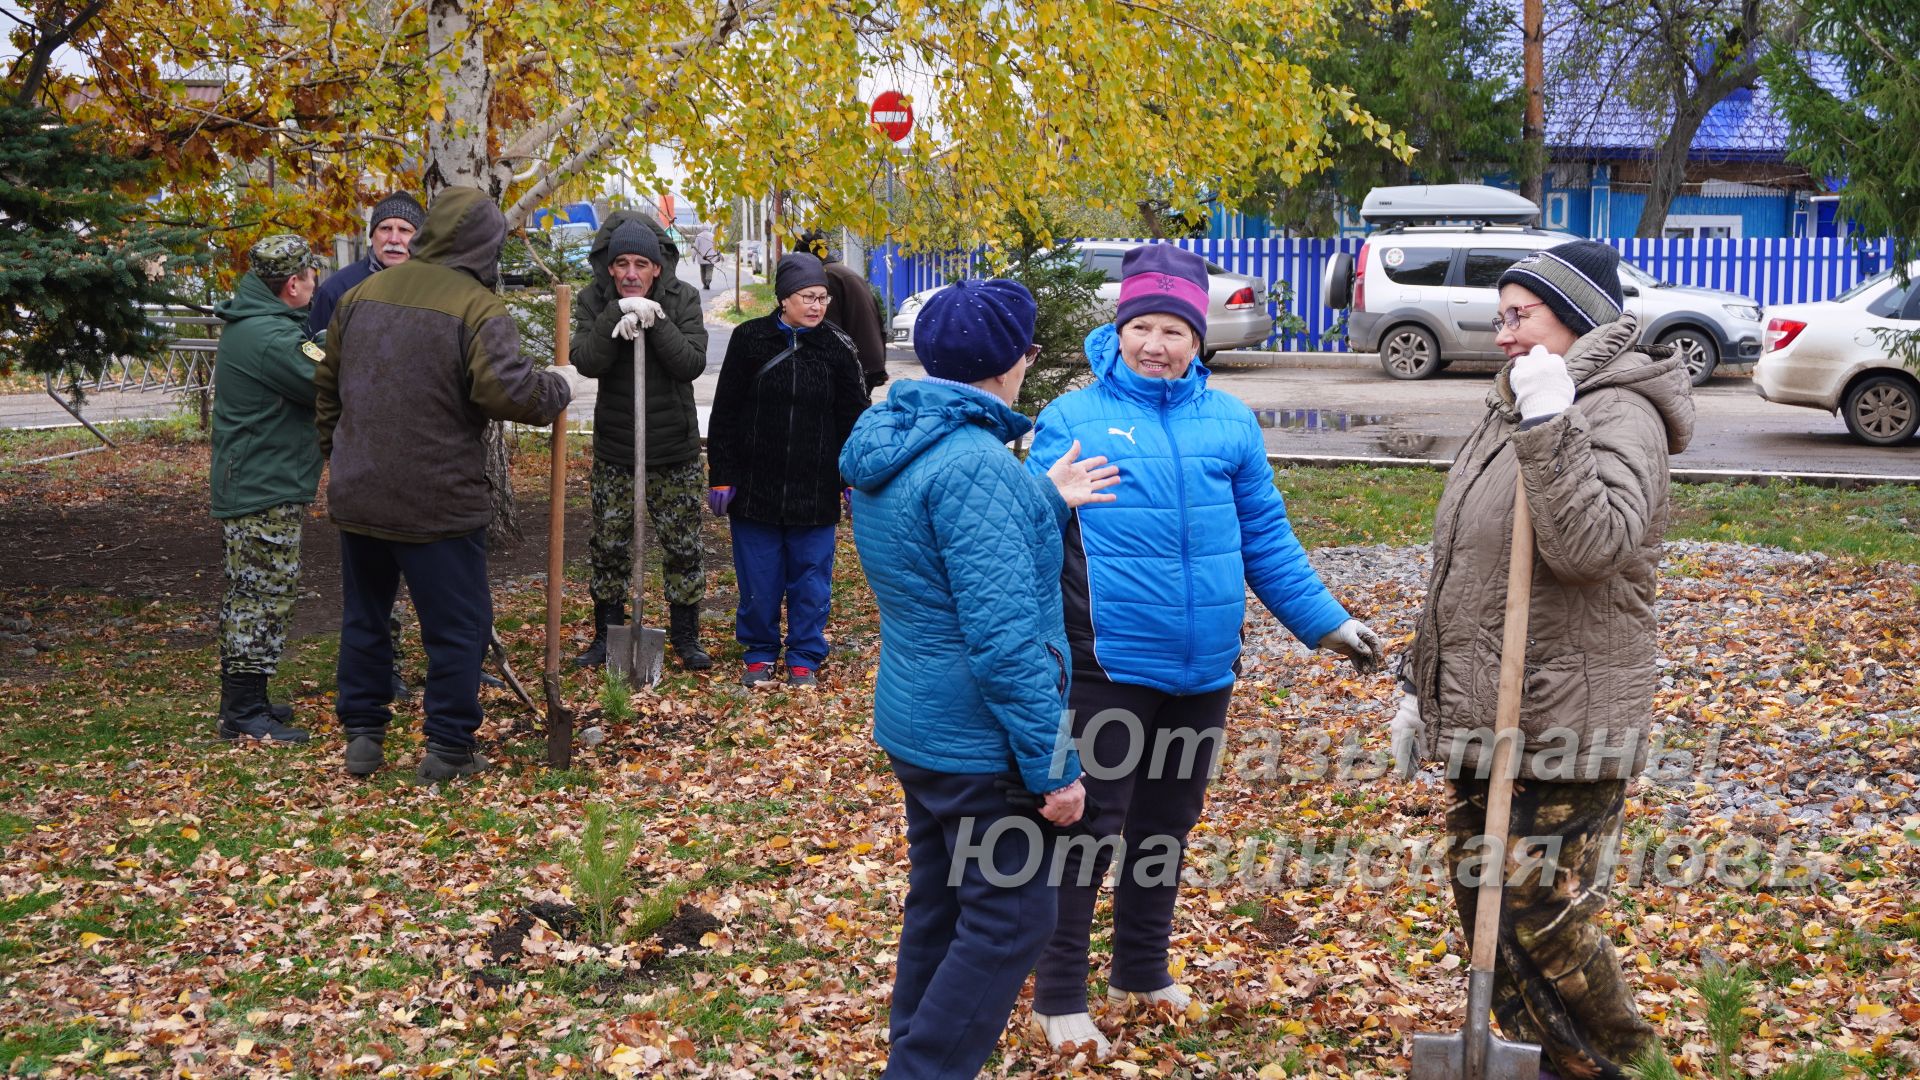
x: 1332, y: 404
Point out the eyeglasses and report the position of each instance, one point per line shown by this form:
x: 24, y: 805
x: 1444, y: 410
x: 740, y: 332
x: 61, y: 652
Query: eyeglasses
x: 1511, y: 318
x: 813, y: 299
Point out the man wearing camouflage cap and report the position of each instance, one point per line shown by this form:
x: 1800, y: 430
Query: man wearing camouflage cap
x: 266, y: 468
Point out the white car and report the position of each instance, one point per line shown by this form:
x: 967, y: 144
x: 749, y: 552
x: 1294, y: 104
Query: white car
x: 1836, y: 356
x: 1236, y: 304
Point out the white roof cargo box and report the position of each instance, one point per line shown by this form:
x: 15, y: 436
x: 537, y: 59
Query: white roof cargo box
x: 1430, y: 204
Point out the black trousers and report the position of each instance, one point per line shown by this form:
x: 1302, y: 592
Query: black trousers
x: 1147, y: 764
x: 448, y: 582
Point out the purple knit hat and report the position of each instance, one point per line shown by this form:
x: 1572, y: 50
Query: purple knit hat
x: 1160, y: 279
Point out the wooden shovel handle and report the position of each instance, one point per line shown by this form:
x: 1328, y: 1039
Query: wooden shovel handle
x: 559, y: 723
x: 1513, y: 674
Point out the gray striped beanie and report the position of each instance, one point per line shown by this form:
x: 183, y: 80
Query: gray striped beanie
x: 1580, y: 282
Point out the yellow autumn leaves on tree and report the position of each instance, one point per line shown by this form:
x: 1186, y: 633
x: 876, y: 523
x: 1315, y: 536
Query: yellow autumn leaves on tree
x: 295, y: 115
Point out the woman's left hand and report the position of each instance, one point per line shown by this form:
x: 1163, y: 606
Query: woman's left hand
x: 1357, y: 643
x: 1082, y: 482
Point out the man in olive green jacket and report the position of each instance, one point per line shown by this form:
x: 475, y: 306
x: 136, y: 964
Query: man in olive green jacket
x: 635, y: 277
x: 419, y: 358
x: 266, y: 468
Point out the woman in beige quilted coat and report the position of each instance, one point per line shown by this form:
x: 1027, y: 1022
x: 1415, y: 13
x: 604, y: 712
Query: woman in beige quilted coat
x: 1588, y: 418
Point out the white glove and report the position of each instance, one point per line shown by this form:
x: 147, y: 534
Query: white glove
x: 641, y: 314
x: 1541, y: 385
x: 576, y: 382
x: 1357, y: 643
x: 1409, y: 737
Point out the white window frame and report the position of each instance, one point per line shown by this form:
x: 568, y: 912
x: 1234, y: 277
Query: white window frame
x: 1694, y: 223
x: 1556, y: 210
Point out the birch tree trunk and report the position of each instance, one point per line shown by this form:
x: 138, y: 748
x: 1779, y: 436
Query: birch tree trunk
x: 457, y: 137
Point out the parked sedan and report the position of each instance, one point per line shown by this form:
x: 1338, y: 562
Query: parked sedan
x: 1838, y: 356
x: 1237, y: 315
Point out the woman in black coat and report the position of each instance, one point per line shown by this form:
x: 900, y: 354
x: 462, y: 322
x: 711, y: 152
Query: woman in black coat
x: 790, y: 390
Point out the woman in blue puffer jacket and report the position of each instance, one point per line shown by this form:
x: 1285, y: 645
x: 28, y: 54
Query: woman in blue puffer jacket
x: 1155, y: 587
x: 962, y: 549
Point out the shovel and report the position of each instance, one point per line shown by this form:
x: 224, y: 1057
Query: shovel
x: 559, y: 720
x: 1476, y: 1053
x: 636, y: 650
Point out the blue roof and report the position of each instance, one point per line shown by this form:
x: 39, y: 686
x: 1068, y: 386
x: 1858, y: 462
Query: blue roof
x: 1587, y: 117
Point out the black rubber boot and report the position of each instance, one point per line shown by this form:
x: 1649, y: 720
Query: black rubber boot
x: 604, y: 615
x: 401, y: 691
x: 683, y: 633
x: 366, y: 750
x: 246, y: 714
x: 443, y: 762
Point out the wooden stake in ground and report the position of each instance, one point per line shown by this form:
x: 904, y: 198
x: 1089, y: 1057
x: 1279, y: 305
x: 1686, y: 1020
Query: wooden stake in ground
x: 1475, y: 1052
x: 559, y: 720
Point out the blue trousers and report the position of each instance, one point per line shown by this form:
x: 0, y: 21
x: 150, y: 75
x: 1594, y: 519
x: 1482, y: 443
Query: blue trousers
x: 775, y: 563
x: 448, y: 582
x: 965, y: 949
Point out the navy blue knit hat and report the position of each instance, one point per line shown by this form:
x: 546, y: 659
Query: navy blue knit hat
x: 973, y: 330
x: 634, y: 238
x: 1160, y: 279
x: 1578, y: 280
x: 797, y: 270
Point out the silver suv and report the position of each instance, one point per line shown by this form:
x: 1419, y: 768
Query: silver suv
x: 1423, y: 296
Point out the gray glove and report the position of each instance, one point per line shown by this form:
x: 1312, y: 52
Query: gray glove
x: 1409, y: 735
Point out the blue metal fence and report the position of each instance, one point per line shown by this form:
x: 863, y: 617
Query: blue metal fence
x: 1769, y: 270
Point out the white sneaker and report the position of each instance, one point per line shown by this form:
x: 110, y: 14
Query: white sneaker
x: 1172, y: 996
x: 1072, y: 1032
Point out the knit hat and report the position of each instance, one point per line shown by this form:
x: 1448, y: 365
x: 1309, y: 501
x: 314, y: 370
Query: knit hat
x: 797, y: 270
x: 634, y: 238
x: 398, y: 205
x: 973, y: 330
x: 282, y: 255
x: 1578, y: 280
x: 1160, y: 279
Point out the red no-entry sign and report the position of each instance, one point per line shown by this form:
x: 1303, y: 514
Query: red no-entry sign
x: 891, y: 114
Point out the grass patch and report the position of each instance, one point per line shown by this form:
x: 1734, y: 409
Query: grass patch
x: 1353, y: 505
x: 180, y: 429
x: 1870, y: 524
x: 29, y: 1050
x: 755, y: 300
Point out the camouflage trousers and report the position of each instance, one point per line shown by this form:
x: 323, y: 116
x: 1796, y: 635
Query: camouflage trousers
x: 1557, y: 980
x: 675, y: 497
x: 262, y: 567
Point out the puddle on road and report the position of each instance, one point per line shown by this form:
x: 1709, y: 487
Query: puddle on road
x: 1314, y: 419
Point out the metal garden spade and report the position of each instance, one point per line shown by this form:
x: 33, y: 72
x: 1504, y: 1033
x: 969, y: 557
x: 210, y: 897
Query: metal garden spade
x: 1475, y: 1052
x: 637, y: 650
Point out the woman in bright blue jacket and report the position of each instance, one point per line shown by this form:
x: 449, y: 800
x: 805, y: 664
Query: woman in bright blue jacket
x: 1155, y: 590
x: 962, y: 549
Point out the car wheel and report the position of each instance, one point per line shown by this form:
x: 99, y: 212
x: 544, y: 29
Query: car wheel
x: 1696, y: 350
x: 1882, y: 410
x: 1409, y: 352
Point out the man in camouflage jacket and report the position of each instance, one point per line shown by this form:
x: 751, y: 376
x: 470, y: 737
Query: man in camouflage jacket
x: 266, y: 468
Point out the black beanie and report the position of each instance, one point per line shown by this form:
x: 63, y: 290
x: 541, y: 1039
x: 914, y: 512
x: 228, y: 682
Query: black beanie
x: 398, y: 205
x: 634, y: 238
x: 1579, y: 282
x: 797, y: 270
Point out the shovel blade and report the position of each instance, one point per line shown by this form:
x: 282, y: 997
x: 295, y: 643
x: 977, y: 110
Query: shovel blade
x: 1444, y: 1057
x: 638, y: 652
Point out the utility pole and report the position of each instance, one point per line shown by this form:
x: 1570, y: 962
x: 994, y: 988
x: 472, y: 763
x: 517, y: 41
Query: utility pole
x: 1533, y: 131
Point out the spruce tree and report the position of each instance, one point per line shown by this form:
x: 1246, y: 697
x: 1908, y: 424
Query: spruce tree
x: 78, y: 256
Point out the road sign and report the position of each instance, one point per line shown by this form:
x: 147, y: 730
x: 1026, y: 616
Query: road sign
x: 892, y: 114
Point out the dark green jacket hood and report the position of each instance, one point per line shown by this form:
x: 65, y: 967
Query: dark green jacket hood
x: 465, y: 231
